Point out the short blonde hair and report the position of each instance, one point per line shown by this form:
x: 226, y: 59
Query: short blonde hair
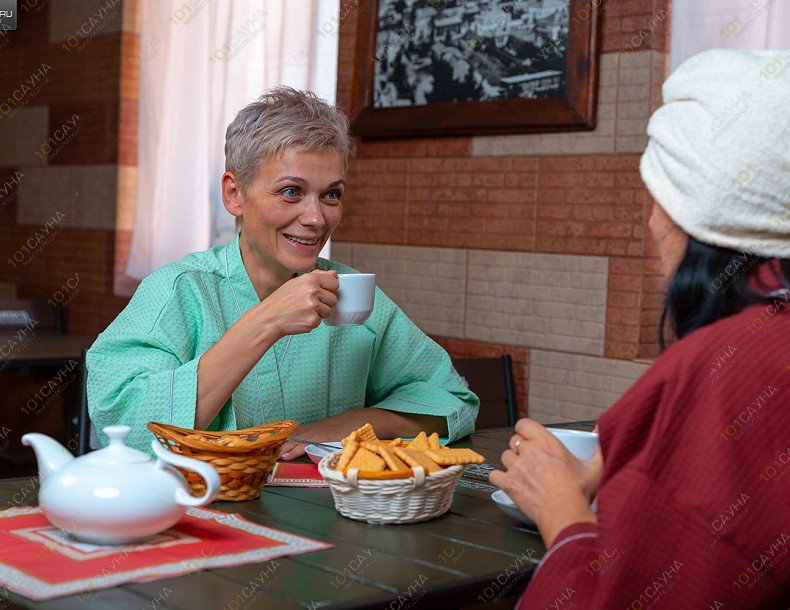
x: 281, y: 118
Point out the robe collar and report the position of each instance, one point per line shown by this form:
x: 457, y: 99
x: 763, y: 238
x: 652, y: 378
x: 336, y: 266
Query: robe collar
x: 237, y: 275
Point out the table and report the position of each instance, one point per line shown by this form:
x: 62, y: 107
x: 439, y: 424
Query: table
x: 473, y: 556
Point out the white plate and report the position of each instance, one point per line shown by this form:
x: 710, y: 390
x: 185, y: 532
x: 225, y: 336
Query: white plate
x: 509, y: 507
x: 505, y: 502
x: 316, y: 453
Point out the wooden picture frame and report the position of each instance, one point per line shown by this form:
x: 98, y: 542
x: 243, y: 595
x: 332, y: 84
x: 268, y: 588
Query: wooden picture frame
x: 571, y: 106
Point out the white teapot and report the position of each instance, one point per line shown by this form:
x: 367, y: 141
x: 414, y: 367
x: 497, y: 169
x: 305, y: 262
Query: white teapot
x: 116, y: 495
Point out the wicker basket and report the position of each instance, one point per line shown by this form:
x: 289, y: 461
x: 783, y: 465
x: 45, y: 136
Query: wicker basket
x: 418, y: 498
x: 243, y: 470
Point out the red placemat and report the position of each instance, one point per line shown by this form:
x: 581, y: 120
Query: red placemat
x: 288, y: 474
x: 38, y: 561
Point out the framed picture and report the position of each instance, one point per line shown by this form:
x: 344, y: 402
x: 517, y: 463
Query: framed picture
x: 463, y: 67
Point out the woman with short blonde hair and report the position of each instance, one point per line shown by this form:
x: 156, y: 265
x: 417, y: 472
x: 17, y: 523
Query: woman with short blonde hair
x: 231, y: 338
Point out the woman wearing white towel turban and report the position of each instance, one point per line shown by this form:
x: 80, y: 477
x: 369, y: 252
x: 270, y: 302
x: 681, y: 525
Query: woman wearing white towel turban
x: 693, y: 484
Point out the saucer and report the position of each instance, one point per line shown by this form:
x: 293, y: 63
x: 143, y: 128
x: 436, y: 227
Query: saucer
x: 316, y: 453
x: 511, y: 509
x: 506, y: 504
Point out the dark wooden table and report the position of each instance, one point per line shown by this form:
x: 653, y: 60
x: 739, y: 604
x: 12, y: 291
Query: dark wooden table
x: 474, y: 556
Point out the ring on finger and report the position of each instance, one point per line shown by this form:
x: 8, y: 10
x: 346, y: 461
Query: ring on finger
x: 518, y: 443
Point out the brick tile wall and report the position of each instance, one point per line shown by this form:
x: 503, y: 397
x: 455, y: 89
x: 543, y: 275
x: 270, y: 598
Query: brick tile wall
x: 567, y: 387
x: 86, y: 175
x: 570, y: 196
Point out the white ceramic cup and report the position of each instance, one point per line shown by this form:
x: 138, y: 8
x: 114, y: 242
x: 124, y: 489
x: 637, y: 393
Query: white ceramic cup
x: 354, y: 299
x: 584, y: 445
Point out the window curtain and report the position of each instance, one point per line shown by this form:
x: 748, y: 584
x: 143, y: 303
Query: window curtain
x: 200, y: 62
x: 699, y: 25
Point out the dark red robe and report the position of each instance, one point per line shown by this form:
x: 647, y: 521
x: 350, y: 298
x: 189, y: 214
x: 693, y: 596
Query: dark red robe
x: 694, y: 503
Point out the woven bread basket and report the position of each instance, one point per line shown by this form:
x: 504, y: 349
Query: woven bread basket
x: 243, y: 469
x: 404, y: 500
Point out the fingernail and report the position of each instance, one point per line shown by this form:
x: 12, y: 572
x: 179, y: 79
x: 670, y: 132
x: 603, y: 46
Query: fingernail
x: 286, y: 456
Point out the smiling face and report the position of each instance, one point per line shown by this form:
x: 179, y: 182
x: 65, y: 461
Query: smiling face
x: 288, y: 213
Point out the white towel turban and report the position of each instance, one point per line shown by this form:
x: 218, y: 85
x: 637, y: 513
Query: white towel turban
x: 718, y: 158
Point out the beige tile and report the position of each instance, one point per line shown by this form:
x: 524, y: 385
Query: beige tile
x: 427, y: 283
x: 127, y: 184
x: 342, y: 252
x: 631, y: 127
x: 631, y: 144
x: 88, y: 17
x: 637, y: 59
x: 625, y: 80
x: 23, y: 135
x: 520, y: 298
x: 85, y: 194
x: 130, y: 20
x: 634, y: 76
x: 633, y: 93
x: 632, y: 110
x: 567, y: 387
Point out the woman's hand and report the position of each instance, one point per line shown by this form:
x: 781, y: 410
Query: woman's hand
x: 387, y: 424
x: 299, y: 305
x: 549, y: 484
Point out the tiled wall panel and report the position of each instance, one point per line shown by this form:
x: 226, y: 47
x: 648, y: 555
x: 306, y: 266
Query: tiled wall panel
x: 568, y: 387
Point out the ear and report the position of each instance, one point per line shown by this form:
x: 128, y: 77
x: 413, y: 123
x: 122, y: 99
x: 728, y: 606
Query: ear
x: 232, y: 196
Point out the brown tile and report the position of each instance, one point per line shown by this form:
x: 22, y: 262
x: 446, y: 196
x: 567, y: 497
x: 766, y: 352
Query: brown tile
x: 95, y: 136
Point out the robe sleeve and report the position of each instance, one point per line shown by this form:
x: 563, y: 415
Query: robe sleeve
x: 652, y: 546
x: 144, y: 366
x: 411, y: 373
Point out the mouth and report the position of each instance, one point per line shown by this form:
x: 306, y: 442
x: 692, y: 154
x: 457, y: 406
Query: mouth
x: 302, y: 241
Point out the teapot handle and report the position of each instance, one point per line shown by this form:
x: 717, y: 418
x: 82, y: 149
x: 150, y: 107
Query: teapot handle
x: 207, y: 471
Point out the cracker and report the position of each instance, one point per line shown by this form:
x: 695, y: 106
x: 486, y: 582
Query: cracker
x: 366, y: 433
x: 420, y: 442
x: 392, y: 461
x: 348, y: 452
x: 451, y: 457
x: 366, y: 460
x: 351, y: 437
x: 417, y: 458
x: 396, y: 442
x: 433, y: 442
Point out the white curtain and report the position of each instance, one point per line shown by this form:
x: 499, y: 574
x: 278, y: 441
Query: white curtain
x: 699, y: 25
x: 200, y: 62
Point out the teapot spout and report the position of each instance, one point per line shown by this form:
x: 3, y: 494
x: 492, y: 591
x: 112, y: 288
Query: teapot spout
x: 50, y: 454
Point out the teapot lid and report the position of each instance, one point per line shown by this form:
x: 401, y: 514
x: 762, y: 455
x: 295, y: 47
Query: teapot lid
x: 117, y: 452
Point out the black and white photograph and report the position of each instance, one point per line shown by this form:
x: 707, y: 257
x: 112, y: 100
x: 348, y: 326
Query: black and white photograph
x: 431, y: 51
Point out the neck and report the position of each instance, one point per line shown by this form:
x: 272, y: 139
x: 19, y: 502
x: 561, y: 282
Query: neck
x: 264, y: 279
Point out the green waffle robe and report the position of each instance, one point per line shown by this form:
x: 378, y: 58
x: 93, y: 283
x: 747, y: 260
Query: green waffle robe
x: 144, y: 366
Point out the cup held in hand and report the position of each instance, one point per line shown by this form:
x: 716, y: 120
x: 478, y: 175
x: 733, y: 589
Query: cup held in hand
x: 354, y: 299
x: 584, y: 445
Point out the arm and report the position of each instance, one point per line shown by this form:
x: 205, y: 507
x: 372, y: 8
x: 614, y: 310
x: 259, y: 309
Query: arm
x: 147, y: 366
x: 411, y: 375
x: 411, y: 386
x: 298, y: 306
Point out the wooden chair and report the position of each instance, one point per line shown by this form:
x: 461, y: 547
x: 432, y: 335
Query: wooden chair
x: 492, y: 380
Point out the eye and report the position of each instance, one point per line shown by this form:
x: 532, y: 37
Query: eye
x: 290, y: 192
x: 333, y: 196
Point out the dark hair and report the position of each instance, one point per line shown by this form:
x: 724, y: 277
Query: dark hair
x: 712, y: 283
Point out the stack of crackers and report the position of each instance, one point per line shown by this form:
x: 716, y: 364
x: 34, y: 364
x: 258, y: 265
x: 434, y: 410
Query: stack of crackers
x: 395, y: 459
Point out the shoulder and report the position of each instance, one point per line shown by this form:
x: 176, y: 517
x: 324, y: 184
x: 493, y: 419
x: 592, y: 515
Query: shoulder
x: 709, y: 372
x: 176, y: 284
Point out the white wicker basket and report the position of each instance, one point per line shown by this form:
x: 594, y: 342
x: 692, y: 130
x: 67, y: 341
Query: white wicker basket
x: 418, y: 498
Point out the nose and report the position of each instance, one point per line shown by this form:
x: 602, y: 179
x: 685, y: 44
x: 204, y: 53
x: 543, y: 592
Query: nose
x: 312, y: 213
